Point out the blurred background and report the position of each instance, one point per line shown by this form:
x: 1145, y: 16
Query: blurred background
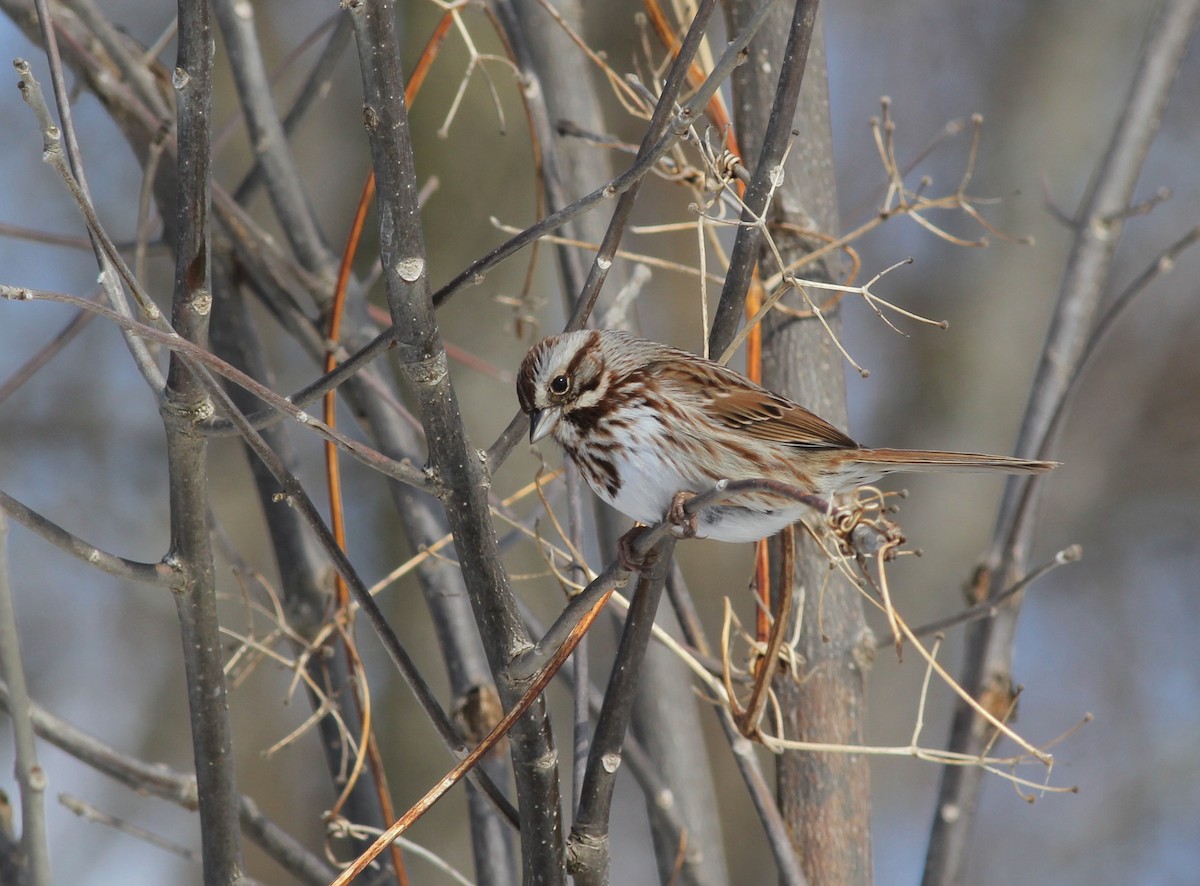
x: 82, y: 443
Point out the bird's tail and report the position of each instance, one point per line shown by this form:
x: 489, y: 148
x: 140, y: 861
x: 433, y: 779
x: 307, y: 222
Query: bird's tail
x: 923, y: 460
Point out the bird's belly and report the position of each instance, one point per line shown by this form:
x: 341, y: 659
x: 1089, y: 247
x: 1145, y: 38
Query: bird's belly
x: 737, y: 524
x: 650, y: 480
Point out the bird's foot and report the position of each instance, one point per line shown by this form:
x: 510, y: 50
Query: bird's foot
x: 628, y: 557
x: 683, y: 524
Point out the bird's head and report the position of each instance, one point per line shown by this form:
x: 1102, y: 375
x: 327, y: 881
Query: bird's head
x: 561, y: 376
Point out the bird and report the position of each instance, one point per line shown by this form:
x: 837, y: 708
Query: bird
x: 645, y: 422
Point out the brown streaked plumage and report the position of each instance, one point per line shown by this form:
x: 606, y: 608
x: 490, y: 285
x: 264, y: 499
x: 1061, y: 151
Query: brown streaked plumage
x: 644, y: 422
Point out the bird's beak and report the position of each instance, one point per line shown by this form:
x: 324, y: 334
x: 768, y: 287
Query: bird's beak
x: 542, y: 422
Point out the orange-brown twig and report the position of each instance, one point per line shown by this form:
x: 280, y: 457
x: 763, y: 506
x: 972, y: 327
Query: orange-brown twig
x: 764, y: 671
x: 333, y: 474
x: 543, y: 677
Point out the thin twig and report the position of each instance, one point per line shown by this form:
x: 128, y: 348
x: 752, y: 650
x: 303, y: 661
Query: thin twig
x: 403, y: 471
x: 766, y: 176
x: 90, y: 813
x: 761, y: 794
x: 107, y: 254
x: 988, y: 658
x: 44, y: 354
x: 31, y: 778
x: 160, y: 574
x: 1163, y: 264
x: 314, y: 88
x: 989, y: 608
x: 656, y: 131
x: 175, y: 787
x: 589, y: 859
x: 475, y: 272
x: 267, y: 136
x: 530, y: 695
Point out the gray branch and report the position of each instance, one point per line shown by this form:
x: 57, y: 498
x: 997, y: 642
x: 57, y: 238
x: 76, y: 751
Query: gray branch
x: 187, y: 456
x: 175, y: 787
x: 458, y: 465
x: 779, y: 132
x: 774, y: 827
x: 590, y: 852
x: 305, y: 576
x: 265, y: 130
x: 34, y: 849
x: 824, y: 798
x: 988, y: 661
x: 314, y: 87
x: 160, y: 574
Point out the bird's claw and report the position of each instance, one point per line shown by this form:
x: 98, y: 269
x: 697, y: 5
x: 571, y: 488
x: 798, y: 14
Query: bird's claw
x: 628, y: 558
x: 683, y: 524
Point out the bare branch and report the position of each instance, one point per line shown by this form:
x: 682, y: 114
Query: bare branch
x: 988, y: 662
x: 236, y: 21
x: 175, y: 787
x: 200, y: 357
x: 107, y: 255
x: 161, y: 574
x: 34, y: 847
x: 766, y: 178
x: 646, y: 162
x: 742, y: 748
x: 187, y: 459
x: 459, y: 467
x: 656, y: 131
x: 589, y: 845
x: 313, y: 88
x: 990, y: 608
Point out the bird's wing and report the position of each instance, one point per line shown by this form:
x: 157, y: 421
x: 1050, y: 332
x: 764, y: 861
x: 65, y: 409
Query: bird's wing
x: 733, y: 401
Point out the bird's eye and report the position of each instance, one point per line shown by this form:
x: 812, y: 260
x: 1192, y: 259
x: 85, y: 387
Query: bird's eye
x: 560, y: 385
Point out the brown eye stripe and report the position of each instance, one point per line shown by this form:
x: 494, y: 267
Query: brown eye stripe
x: 527, y: 377
x: 590, y: 384
x: 591, y: 345
x: 525, y: 391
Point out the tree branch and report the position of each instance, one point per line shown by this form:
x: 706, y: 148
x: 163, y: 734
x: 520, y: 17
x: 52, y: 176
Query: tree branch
x: 34, y: 850
x: 187, y: 455
x: 987, y: 669
x: 766, y: 177
x: 589, y: 846
x: 305, y: 577
x: 200, y: 358
x: 824, y: 798
x: 314, y: 87
x: 160, y: 574
x: 265, y: 131
x: 160, y: 781
x: 741, y: 747
x: 646, y: 161
x: 459, y: 467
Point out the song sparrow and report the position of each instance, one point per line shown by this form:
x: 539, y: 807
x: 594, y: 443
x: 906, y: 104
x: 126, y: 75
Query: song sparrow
x: 643, y: 422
